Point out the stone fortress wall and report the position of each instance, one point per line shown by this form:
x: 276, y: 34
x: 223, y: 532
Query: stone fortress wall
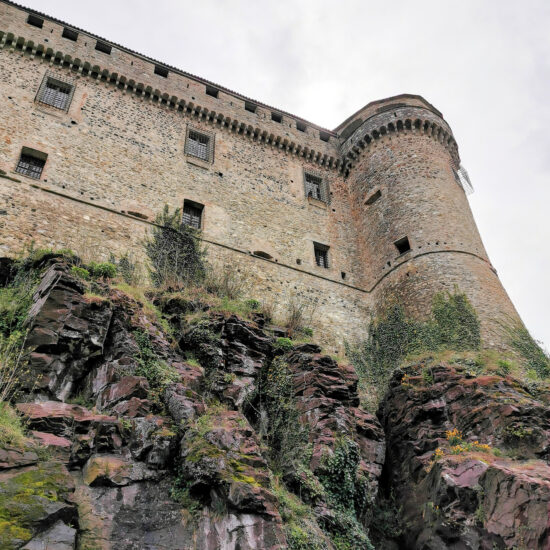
x: 119, y: 152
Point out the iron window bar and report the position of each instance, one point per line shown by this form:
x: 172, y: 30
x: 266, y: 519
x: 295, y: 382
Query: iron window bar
x: 199, y: 145
x: 192, y: 216
x: 321, y: 255
x: 30, y: 166
x: 316, y: 187
x: 55, y: 92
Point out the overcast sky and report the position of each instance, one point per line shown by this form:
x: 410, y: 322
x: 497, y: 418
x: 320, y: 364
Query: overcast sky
x: 484, y: 64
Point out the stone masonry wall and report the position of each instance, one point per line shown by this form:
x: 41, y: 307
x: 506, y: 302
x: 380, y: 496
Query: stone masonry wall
x: 120, y: 150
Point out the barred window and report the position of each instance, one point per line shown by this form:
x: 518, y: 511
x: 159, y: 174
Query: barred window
x: 55, y: 92
x: 316, y: 187
x: 321, y: 255
x: 31, y: 163
x: 199, y: 145
x: 192, y: 214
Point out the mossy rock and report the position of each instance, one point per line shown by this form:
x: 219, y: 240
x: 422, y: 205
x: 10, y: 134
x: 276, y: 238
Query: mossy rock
x: 33, y: 500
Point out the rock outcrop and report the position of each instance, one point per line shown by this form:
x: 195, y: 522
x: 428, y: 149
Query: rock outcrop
x: 467, y: 459
x: 140, y: 437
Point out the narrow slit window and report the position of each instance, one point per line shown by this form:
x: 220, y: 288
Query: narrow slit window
x: 211, y: 91
x: 192, y: 214
x: 35, y: 21
x: 69, y: 34
x: 103, y: 47
x: 161, y: 71
x: 276, y: 117
x: 55, y: 92
x: 402, y: 245
x: 31, y: 163
x: 315, y: 187
x: 321, y: 255
x: 373, y: 198
x: 199, y: 145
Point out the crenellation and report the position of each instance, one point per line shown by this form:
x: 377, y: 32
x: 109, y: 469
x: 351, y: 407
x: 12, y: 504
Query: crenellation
x: 345, y: 218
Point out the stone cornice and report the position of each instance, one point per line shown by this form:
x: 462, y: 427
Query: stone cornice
x: 45, y: 54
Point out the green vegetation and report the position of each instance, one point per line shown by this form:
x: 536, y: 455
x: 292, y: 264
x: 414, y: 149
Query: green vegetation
x: 12, y: 431
x: 301, y: 528
x: 391, y: 337
x: 174, y: 252
x: 282, y: 431
x: 157, y: 372
x: 536, y: 359
x: 283, y: 345
x: 24, y: 498
x: 104, y: 270
x: 347, y: 495
x: 80, y: 272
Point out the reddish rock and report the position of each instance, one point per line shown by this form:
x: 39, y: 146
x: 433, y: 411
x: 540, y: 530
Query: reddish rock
x: 474, y: 499
x: 126, y: 388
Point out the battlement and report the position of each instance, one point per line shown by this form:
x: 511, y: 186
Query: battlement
x: 95, y: 139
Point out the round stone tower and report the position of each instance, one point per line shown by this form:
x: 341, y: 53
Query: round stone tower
x: 416, y: 232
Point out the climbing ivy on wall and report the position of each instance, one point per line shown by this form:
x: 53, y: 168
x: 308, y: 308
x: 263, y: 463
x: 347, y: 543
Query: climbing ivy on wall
x: 453, y: 324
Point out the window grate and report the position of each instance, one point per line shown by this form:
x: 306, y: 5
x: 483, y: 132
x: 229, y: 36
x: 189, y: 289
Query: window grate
x: 55, y: 92
x: 30, y: 166
x: 191, y: 215
x: 321, y: 255
x: 316, y: 187
x: 199, y: 145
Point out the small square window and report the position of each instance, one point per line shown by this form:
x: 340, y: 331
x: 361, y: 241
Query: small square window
x: 315, y: 187
x: 192, y: 214
x: 301, y: 126
x: 35, y: 21
x: 31, y: 163
x: 55, y: 93
x: 161, y: 71
x: 324, y: 136
x: 199, y: 145
x: 211, y: 91
x: 69, y: 34
x: 250, y: 106
x: 321, y: 255
x: 103, y: 47
x: 276, y: 117
x: 402, y: 245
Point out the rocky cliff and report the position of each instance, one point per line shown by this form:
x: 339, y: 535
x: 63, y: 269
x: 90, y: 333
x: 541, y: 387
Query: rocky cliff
x: 195, y: 429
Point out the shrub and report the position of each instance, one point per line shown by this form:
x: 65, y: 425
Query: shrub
x: 174, y: 251
x: 227, y: 282
x: 105, y: 270
x: 283, y: 345
x: 299, y: 314
x: 127, y: 268
x: 252, y: 305
x: 80, y: 272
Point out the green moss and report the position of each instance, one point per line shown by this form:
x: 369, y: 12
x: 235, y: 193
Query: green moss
x: 23, y: 501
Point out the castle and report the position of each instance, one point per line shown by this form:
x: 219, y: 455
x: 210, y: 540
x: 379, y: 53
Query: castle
x: 96, y: 138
